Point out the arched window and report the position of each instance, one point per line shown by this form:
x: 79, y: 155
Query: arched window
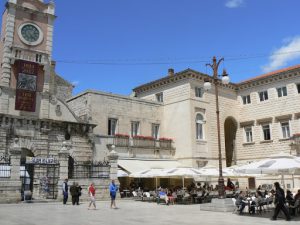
x: 199, y: 127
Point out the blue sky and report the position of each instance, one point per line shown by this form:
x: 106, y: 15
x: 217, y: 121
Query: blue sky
x: 116, y: 45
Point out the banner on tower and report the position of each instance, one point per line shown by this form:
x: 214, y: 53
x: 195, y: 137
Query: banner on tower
x: 26, y: 86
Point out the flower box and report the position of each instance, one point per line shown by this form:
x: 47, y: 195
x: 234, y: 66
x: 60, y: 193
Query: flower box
x: 121, y: 140
x: 143, y: 141
x: 166, y: 144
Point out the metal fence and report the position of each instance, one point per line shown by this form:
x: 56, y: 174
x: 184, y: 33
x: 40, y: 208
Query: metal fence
x: 46, y: 174
x: 82, y: 170
x: 5, y: 166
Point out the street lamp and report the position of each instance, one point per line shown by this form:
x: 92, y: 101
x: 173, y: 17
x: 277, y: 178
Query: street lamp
x: 207, y: 86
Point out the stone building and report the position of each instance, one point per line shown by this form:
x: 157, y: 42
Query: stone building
x: 47, y: 135
x: 39, y: 133
x: 258, y: 118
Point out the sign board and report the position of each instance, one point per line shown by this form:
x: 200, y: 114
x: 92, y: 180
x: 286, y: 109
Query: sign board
x: 26, y: 86
x: 37, y: 160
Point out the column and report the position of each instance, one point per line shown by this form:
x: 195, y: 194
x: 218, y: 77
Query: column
x: 13, y: 188
x: 113, y: 161
x: 63, y: 157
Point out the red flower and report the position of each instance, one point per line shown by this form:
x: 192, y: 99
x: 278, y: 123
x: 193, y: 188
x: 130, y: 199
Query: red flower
x: 143, y: 137
x: 165, y: 139
x: 122, y: 135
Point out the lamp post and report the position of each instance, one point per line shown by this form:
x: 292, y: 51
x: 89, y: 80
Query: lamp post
x: 207, y: 86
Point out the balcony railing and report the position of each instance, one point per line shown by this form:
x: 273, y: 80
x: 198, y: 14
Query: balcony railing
x: 121, y: 141
x: 125, y: 141
x: 28, y: 55
x: 143, y: 142
x: 165, y: 144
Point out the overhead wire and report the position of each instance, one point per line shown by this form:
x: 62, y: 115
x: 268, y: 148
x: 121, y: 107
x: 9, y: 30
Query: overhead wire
x: 170, y: 60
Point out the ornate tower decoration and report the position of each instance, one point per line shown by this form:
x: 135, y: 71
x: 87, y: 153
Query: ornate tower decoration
x: 25, y: 55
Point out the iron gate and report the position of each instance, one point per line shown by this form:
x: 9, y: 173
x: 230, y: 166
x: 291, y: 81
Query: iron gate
x: 40, y: 175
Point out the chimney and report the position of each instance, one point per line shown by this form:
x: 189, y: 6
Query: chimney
x: 170, y: 72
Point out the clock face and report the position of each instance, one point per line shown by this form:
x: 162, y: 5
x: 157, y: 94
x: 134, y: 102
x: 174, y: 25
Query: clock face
x: 30, y: 33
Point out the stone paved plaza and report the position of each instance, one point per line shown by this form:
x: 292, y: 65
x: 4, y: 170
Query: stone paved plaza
x: 129, y: 213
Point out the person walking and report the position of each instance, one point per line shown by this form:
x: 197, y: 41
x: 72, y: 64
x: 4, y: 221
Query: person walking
x: 65, y: 190
x: 79, y: 189
x: 113, y: 188
x: 92, y: 193
x: 74, y: 193
x: 280, y: 203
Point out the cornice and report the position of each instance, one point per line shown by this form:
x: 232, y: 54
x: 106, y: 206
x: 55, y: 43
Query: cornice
x: 269, y: 79
x: 183, y: 75
x: 33, y: 11
x: 128, y: 98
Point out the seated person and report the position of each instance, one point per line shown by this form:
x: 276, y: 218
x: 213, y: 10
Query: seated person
x: 297, y: 196
x: 289, y: 197
x: 163, y: 195
x: 259, y: 199
x: 171, y: 197
x: 230, y: 185
x: 241, y: 201
x: 291, y: 202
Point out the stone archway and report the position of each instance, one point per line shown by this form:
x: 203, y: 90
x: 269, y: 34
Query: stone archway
x: 27, y: 172
x: 230, y: 128
x: 28, y: 144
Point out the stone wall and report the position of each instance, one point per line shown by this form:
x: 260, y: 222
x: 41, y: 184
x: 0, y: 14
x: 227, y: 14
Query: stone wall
x: 180, y: 108
x: 277, y: 109
x: 99, y: 107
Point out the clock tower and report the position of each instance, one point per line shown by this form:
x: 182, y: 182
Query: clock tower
x: 25, y: 56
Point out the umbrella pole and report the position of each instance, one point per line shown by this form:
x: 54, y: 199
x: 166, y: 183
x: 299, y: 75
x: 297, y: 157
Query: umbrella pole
x: 182, y: 182
x: 293, y: 181
x: 282, y: 181
x: 155, y: 183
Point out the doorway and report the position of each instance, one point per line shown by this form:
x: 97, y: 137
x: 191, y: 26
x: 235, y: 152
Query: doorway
x: 230, y: 128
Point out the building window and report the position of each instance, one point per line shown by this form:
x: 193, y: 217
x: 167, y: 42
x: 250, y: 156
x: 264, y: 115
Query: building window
x: 199, y: 127
x: 248, y: 134
x: 246, y: 99
x: 266, y: 132
x: 285, y: 128
x: 198, y: 92
x: 160, y: 97
x: 281, y: 92
x: 112, y: 126
x: 263, y: 96
x: 298, y: 88
x: 135, y: 128
x: 155, y: 131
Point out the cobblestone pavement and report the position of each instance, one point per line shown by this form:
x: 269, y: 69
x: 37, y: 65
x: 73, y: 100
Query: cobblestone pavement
x: 129, y: 213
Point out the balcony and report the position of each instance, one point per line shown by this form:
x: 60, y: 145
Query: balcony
x: 124, y: 141
x: 27, y: 55
x: 165, y: 144
x: 143, y: 142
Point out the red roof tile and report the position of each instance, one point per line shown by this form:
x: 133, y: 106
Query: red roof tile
x: 271, y: 73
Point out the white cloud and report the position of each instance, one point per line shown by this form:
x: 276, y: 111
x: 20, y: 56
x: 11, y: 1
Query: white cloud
x: 290, y: 50
x: 75, y: 83
x: 234, y: 3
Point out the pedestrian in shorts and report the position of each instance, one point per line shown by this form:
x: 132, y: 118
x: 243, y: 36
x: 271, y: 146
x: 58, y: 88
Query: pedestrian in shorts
x: 92, y: 193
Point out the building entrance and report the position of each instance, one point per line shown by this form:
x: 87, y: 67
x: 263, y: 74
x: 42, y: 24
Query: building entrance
x: 230, y: 128
x: 40, y: 176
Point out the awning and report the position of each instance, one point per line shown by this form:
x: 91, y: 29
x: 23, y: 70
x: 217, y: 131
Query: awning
x: 137, y: 165
x: 122, y: 173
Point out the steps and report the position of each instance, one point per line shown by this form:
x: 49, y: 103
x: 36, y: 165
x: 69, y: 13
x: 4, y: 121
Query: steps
x: 218, y: 205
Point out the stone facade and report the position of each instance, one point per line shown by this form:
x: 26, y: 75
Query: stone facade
x: 43, y: 131
x: 125, y: 110
x: 172, y: 103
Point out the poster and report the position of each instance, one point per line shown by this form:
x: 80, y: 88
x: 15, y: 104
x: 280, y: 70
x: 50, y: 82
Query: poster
x: 26, y: 86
